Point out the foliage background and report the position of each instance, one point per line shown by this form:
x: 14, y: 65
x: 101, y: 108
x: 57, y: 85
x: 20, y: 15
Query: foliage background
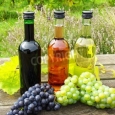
x: 11, y: 22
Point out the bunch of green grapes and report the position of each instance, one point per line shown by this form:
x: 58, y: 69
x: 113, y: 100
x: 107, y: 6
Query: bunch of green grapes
x: 94, y: 93
x: 68, y: 94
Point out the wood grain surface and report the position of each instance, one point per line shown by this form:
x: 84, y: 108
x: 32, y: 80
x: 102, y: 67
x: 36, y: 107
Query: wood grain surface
x: 108, y: 60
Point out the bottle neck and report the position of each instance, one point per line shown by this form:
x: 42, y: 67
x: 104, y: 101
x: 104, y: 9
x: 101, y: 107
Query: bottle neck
x: 86, y: 28
x: 59, y: 28
x: 29, y: 29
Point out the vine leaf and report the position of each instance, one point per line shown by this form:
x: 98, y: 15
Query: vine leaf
x: 9, y: 76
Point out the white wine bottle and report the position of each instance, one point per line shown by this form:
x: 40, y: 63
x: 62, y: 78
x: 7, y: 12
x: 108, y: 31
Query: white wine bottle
x: 85, y: 49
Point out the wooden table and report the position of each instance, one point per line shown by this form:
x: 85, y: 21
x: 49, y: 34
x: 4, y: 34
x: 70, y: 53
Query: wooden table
x: 108, y: 60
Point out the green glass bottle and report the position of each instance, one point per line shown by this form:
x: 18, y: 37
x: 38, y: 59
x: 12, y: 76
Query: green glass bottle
x: 85, y: 49
x: 29, y: 55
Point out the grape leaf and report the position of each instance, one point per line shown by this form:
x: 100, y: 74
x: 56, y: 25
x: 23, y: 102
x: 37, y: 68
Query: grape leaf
x: 9, y: 76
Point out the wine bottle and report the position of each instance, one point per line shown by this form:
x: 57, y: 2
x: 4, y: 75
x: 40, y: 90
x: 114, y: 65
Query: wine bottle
x: 29, y: 55
x: 58, y: 53
x: 85, y: 48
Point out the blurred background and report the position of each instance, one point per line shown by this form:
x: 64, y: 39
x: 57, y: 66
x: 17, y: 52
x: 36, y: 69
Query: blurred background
x: 12, y: 28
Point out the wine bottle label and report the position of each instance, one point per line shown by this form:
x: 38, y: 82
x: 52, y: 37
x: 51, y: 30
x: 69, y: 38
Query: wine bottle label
x: 28, y: 21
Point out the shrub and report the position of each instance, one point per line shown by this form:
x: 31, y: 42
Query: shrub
x: 5, y: 14
x: 103, y: 31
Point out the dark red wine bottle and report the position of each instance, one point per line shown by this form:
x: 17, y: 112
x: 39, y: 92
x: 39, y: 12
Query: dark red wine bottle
x: 29, y: 55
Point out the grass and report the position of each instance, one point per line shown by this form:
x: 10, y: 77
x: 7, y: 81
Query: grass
x: 103, y: 31
x: 5, y: 26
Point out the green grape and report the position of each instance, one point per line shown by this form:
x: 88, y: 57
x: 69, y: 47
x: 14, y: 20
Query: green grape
x: 109, y: 100
x: 64, y: 104
x: 90, y: 83
x: 80, y: 82
x: 70, y: 101
x: 83, y: 100
x: 83, y: 87
x: 69, y: 95
x: 97, y: 85
x: 60, y: 99
x: 102, y: 106
x: 102, y: 88
x: 65, y: 100
x: 87, y: 97
x: 97, y: 99
x: 67, y: 88
x: 88, y: 89
x: 62, y: 87
x: 71, y: 84
x: 91, y: 103
x: 92, y: 98
x: 62, y: 92
x: 75, y: 96
x: 72, y: 90
x: 85, y: 81
x: 112, y: 96
x: 74, y: 101
x: 112, y: 90
x: 113, y: 104
x: 58, y: 94
x: 95, y: 93
x: 104, y: 100
x: 99, y: 91
x: 106, y: 94
x: 92, y: 77
x: 101, y: 95
x: 77, y: 92
x: 74, y: 79
x: 67, y: 81
x: 106, y: 88
x: 82, y: 93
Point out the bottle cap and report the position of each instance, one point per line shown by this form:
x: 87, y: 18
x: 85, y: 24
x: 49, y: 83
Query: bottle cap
x: 59, y: 14
x: 87, y: 14
x: 28, y: 15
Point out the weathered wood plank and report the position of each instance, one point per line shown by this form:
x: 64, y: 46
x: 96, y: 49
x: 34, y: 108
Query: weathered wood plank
x: 75, y: 109
x: 6, y: 101
x: 106, y: 59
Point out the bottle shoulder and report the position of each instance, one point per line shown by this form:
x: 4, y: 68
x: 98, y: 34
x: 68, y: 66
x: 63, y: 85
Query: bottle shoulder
x: 85, y: 41
x: 29, y: 45
x: 58, y: 43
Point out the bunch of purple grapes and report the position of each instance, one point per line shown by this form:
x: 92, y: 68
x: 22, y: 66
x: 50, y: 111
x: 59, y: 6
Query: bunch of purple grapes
x: 36, y: 99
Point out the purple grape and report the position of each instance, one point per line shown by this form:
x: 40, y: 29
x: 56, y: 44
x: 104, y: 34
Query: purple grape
x: 51, y: 104
x: 10, y: 113
x: 57, y: 106
x: 26, y: 101
x: 29, y: 111
x: 46, y: 94
x: 34, y: 92
x: 37, y: 85
x: 31, y: 98
x: 16, y: 106
x: 39, y: 108
x: 42, y: 88
x: 21, y: 112
x: 51, y: 98
x: 38, y: 90
x: 42, y: 94
x: 21, y: 103
x: 35, y: 103
x: 37, y: 98
x: 15, y: 111
x: 31, y: 106
x: 30, y: 89
x: 48, y: 108
x: 43, y: 102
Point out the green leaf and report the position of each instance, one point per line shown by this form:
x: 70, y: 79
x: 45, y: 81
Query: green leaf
x: 9, y: 76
